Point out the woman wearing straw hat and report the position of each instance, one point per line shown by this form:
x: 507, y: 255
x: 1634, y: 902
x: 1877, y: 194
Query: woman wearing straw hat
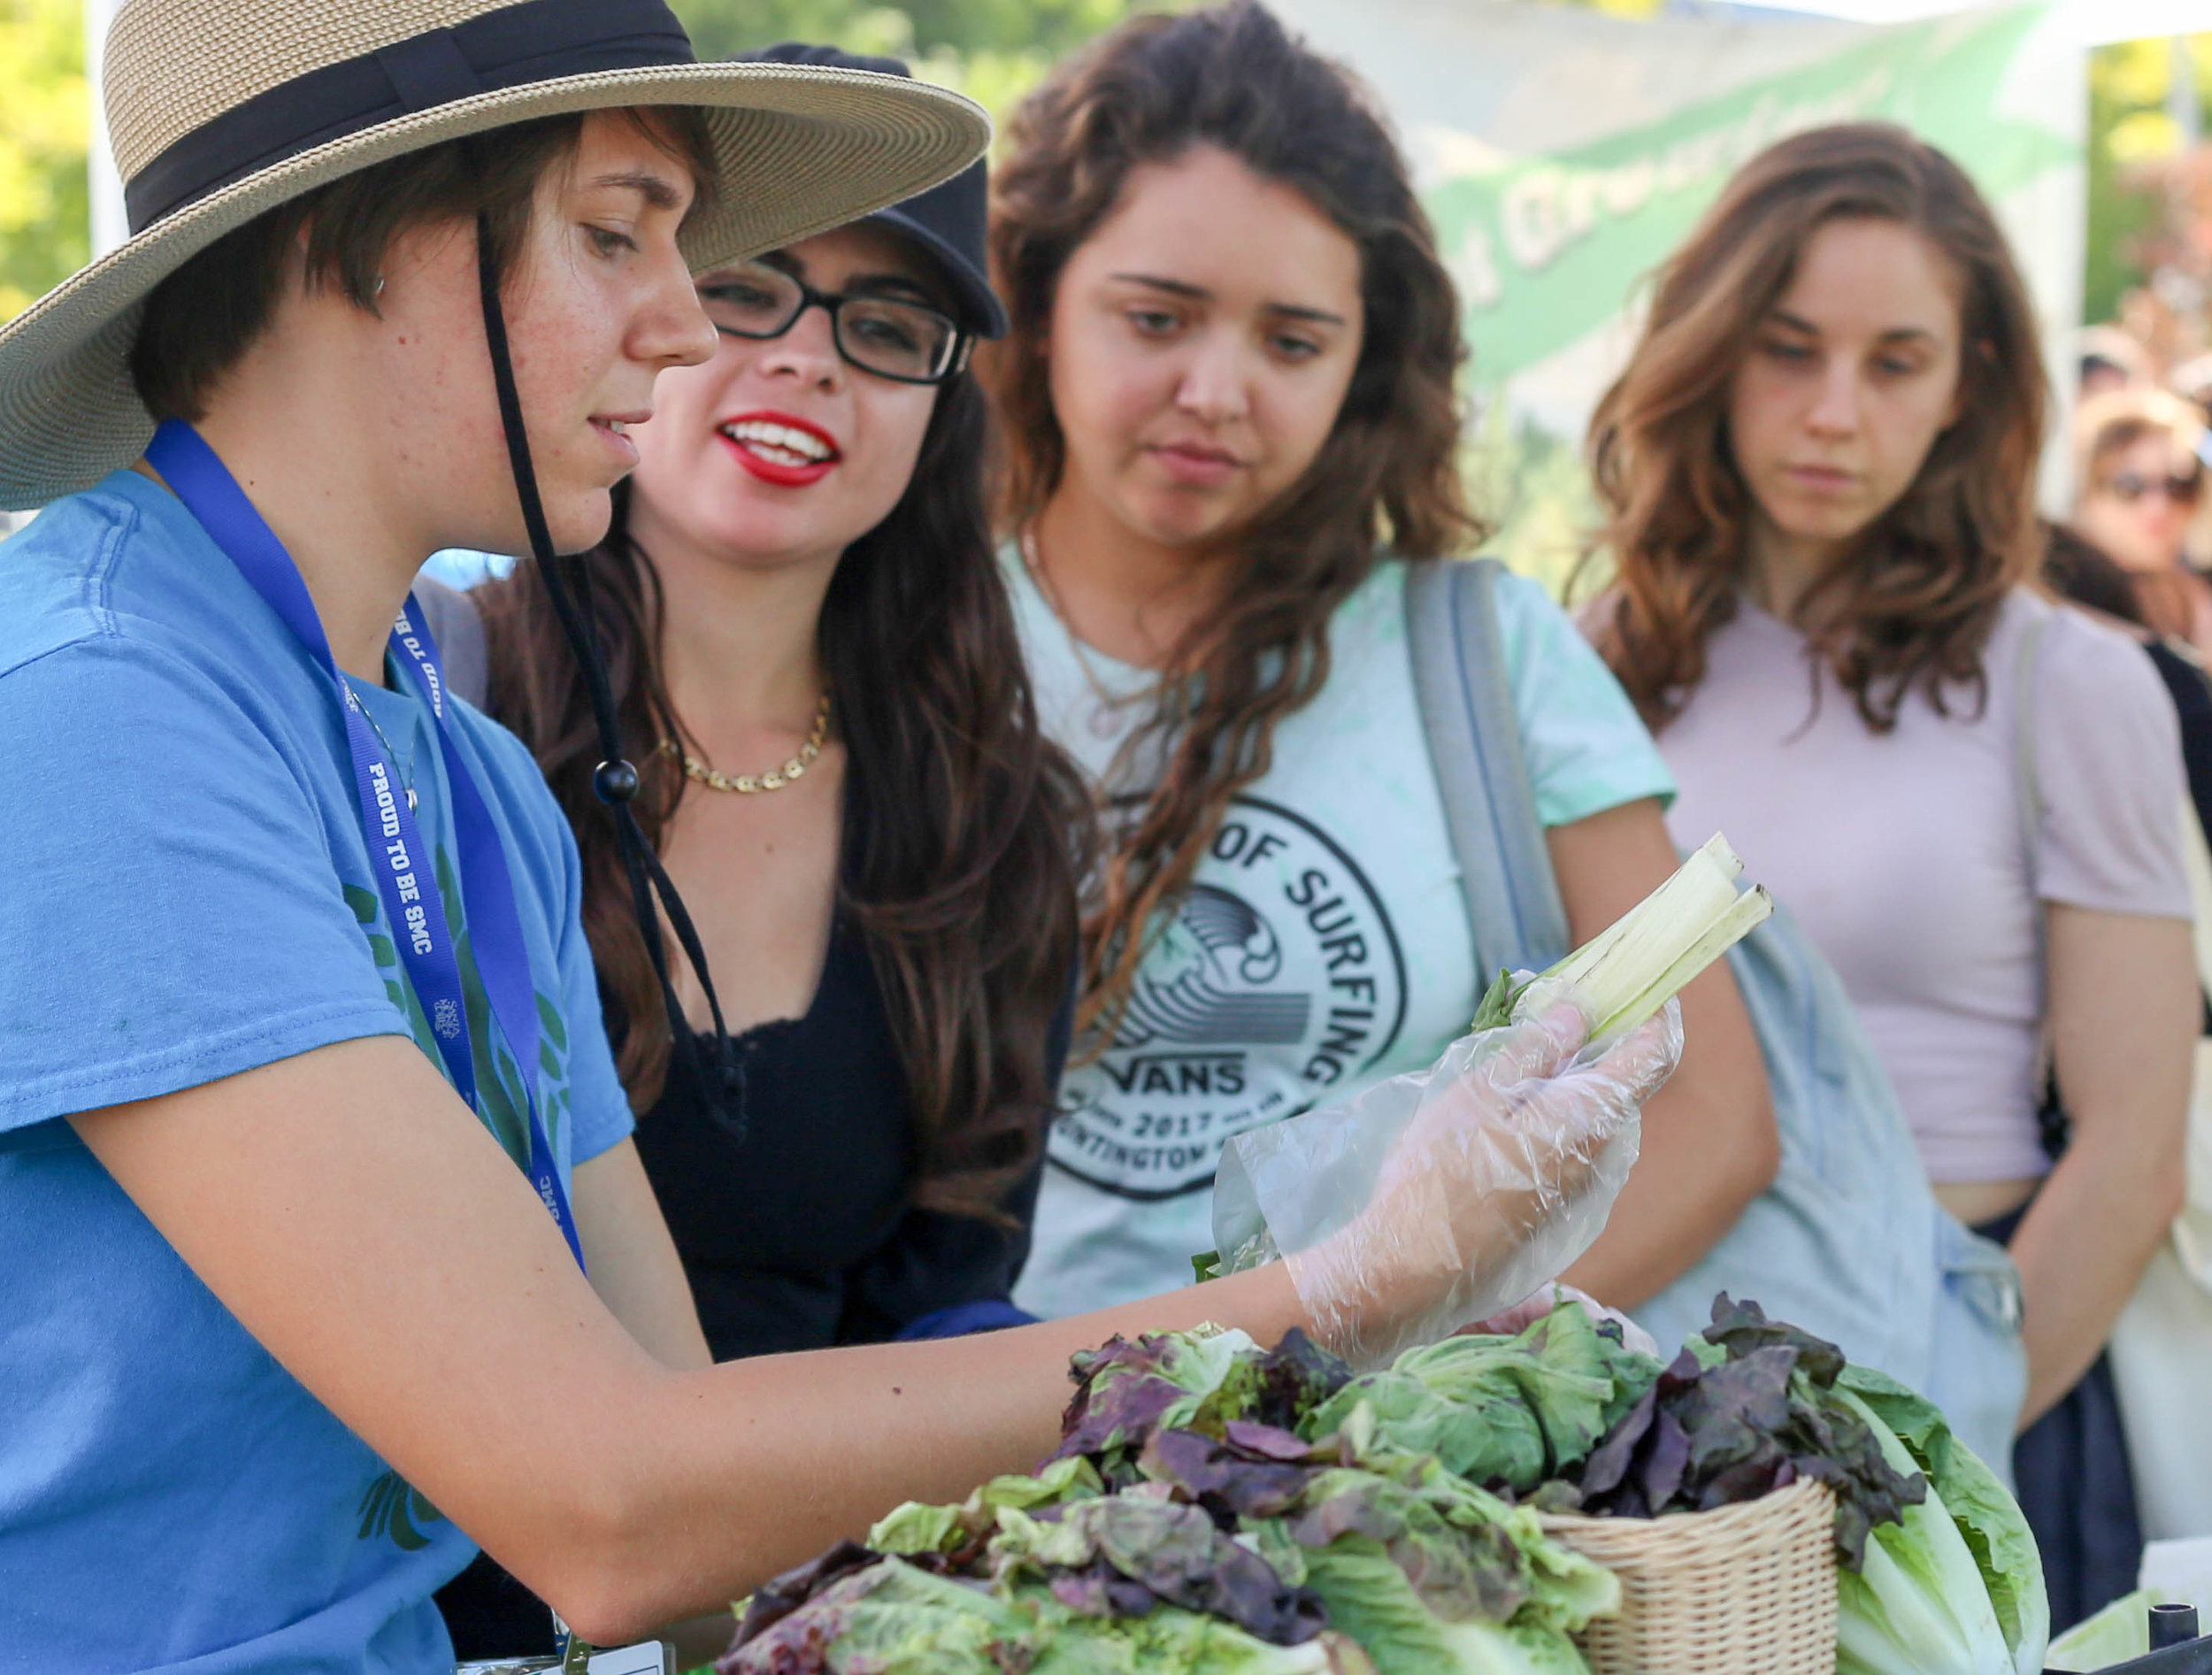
x: 306, y: 1117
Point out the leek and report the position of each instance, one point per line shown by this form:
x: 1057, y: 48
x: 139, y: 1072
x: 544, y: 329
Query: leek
x: 1626, y: 973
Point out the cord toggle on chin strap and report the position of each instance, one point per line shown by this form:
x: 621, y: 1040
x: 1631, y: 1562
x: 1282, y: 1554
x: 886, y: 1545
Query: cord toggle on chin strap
x: 614, y: 781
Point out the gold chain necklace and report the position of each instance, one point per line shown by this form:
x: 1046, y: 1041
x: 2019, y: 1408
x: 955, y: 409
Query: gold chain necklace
x: 750, y: 784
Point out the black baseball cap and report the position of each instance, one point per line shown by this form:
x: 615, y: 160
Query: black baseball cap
x: 948, y: 221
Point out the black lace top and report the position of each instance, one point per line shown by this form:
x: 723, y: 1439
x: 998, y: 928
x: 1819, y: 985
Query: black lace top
x: 797, y: 1233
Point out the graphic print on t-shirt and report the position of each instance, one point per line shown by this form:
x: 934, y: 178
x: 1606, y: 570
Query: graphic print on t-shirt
x: 1280, y: 978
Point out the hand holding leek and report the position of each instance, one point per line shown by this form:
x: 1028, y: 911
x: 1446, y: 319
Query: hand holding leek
x: 1649, y: 954
x: 1437, y: 1198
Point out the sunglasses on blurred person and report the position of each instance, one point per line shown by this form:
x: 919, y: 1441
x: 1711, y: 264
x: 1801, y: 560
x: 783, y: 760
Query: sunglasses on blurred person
x: 908, y: 342
x: 2181, y: 488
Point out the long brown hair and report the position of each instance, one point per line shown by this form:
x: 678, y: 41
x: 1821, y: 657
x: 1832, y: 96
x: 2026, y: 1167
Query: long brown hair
x: 964, y: 825
x: 1229, y: 76
x: 1915, y: 601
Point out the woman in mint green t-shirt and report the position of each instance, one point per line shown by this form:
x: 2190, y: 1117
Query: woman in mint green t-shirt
x: 1229, y: 401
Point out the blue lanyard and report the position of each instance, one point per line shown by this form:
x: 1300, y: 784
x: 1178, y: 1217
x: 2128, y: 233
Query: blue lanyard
x: 405, y: 874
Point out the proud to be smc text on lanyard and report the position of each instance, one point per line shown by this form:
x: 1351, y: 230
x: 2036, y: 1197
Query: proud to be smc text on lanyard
x: 407, y: 885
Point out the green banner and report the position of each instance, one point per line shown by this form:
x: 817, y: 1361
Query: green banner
x: 1548, y: 250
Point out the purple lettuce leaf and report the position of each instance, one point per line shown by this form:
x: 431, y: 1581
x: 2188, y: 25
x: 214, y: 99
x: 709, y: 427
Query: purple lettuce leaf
x: 1609, y: 1462
x: 1120, y: 1415
x: 1225, y: 1478
x: 1261, y: 1441
x: 1741, y: 1327
x: 776, y: 1600
x: 1756, y: 1421
x: 1735, y: 1411
x: 1173, y: 1553
x: 1100, y: 1590
x: 1666, y: 1460
x: 1295, y: 1377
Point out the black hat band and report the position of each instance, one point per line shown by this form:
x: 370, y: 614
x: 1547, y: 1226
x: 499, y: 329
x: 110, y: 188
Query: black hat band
x: 515, y: 46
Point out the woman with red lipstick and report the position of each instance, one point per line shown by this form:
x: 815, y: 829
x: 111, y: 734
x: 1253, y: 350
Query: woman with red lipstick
x: 1820, y: 469
x: 874, y: 839
x: 1229, y: 409
x: 802, y: 606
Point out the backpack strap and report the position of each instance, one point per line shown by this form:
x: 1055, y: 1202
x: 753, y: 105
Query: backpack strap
x: 2053, y: 1127
x: 2027, y: 787
x: 1466, y: 694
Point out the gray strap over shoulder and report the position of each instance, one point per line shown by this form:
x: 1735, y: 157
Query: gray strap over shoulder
x: 463, y: 657
x: 1474, y: 738
x: 2027, y: 783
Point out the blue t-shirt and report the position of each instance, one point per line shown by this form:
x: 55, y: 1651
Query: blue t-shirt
x: 186, y: 896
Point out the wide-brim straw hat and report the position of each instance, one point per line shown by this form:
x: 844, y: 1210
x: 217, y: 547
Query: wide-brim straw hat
x: 221, y: 110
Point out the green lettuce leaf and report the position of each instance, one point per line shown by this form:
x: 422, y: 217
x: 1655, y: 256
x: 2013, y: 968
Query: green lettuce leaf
x: 1514, y: 1409
x: 1369, y: 1598
x: 889, y: 1615
x: 918, y: 1528
x: 1989, y: 1520
x: 2118, y: 1632
x: 893, y: 1616
x: 1918, y: 1605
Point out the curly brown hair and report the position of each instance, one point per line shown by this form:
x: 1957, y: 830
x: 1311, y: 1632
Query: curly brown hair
x: 965, y: 827
x: 1915, y: 599
x: 1385, y: 480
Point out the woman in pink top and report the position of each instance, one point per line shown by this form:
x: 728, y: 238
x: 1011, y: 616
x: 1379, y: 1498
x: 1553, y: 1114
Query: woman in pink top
x: 1819, y: 466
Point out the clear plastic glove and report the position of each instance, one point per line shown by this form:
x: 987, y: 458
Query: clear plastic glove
x: 1437, y: 1198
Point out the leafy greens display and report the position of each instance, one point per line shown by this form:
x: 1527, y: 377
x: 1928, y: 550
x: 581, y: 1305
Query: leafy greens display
x: 1751, y: 1409
x: 1222, y: 1509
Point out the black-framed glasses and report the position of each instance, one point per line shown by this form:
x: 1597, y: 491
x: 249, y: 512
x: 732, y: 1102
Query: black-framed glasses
x: 907, y: 342
x: 2182, y: 487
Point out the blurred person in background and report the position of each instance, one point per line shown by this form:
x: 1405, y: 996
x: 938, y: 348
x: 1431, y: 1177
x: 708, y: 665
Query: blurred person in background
x: 1818, y: 468
x: 2111, y: 359
x: 2086, y: 575
x: 1228, y: 401
x: 2139, y: 476
x: 2191, y: 381
x: 801, y: 602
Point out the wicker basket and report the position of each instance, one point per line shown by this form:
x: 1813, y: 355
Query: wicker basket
x: 1741, y: 1590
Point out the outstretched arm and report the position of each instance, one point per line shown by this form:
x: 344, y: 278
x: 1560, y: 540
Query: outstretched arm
x: 353, y: 1214
x: 358, y: 1220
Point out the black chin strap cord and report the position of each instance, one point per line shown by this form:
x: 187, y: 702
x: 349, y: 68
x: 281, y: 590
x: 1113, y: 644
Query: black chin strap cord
x: 615, y: 780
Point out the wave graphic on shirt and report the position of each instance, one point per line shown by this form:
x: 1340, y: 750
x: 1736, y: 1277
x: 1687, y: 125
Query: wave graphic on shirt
x: 1205, y: 984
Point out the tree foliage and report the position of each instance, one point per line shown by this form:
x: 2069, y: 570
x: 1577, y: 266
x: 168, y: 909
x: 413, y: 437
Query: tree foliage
x: 2130, y: 126
x: 993, y: 50
x: 719, y: 28
x: 45, y: 125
